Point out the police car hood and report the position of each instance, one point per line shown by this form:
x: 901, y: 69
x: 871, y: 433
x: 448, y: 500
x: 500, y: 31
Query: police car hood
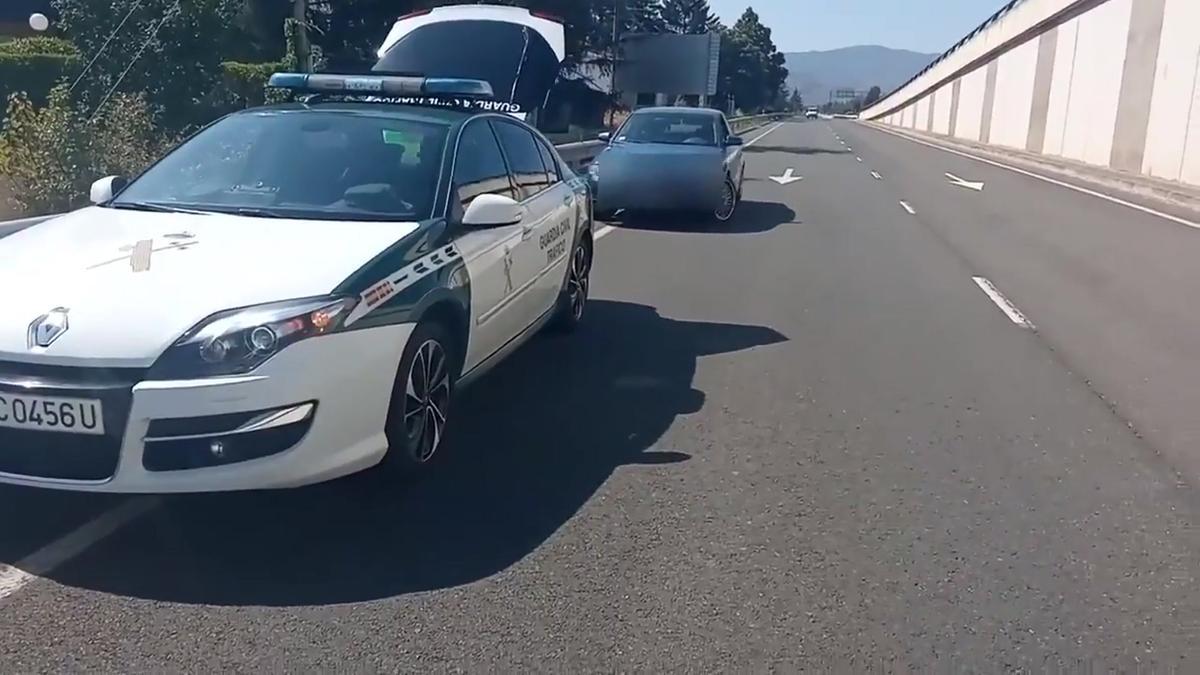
x: 127, y: 300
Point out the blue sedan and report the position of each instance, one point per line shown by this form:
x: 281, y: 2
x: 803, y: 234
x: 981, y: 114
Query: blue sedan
x: 670, y: 159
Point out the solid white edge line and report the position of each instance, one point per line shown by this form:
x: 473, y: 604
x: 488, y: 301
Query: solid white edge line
x: 763, y: 135
x: 876, y: 176
x: 911, y: 210
x: 1047, y: 179
x: 1010, y: 310
x: 603, y: 231
x: 40, y: 563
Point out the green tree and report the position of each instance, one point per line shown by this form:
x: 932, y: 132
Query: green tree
x: 873, y: 95
x: 169, y: 49
x: 752, y: 68
x: 796, y: 101
x: 689, y: 17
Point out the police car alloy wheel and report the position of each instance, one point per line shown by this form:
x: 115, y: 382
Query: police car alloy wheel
x: 420, y: 406
x: 573, y: 303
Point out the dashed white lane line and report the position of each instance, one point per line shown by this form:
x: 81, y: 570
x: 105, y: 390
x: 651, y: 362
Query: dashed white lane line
x: 603, y: 231
x: 910, y: 209
x: 858, y: 158
x: 15, y: 577
x: 876, y: 176
x: 1010, y: 310
x: 1047, y: 179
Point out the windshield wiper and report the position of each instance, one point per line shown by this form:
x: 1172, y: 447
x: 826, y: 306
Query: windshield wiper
x: 155, y: 207
x: 251, y: 212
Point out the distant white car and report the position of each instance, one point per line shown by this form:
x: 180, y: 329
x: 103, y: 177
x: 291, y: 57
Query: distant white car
x: 812, y: 113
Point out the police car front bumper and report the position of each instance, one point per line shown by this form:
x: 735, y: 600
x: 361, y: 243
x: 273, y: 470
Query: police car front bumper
x: 314, y: 412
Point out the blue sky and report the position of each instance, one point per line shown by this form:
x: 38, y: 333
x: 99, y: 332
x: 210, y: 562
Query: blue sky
x: 920, y: 25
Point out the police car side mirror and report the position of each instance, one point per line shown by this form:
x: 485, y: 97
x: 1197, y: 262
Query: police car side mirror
x: 493, y: 211
x: 104, y: 189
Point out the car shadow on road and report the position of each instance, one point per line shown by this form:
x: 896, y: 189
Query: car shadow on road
x: 795, y: 150
x: 751, y: 217
x: 533, y: 443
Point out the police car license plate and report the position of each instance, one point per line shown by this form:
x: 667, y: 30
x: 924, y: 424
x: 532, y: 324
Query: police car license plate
x: 45, y: 413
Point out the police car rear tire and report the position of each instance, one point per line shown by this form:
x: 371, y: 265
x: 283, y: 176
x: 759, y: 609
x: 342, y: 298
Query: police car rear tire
x: 421, y: 397
x: 572, y: 300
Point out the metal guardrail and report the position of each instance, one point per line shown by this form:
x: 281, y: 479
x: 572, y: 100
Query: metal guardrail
x: 577, y: 155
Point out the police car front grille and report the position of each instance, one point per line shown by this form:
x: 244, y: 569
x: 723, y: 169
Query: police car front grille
x: 64, y: 456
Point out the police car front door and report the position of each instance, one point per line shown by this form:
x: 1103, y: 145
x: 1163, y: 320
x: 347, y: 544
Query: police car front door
x: 491, y: 254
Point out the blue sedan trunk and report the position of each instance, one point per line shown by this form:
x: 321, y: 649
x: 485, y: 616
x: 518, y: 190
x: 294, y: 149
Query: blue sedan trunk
x: 659, y: 176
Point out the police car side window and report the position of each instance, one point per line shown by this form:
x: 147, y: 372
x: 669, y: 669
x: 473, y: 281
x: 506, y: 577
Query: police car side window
x: 529, y: 172
x: 550, y: 162
x: 479, y: 168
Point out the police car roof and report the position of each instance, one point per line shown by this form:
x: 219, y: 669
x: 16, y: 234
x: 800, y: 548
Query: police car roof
x: 415, y: 113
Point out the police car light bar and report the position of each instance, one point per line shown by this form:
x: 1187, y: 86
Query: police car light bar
x: 389, y: 85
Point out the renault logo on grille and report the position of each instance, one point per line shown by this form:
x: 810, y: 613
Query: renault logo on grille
x: 48, y: 327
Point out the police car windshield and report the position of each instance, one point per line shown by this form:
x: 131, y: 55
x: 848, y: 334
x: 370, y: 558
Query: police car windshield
x: 670, y: 128
x: 310, y: 164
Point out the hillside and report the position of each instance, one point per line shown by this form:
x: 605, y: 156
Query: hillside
x: 815, y: 73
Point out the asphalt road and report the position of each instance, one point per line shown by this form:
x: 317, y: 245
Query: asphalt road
x: 808, y: 439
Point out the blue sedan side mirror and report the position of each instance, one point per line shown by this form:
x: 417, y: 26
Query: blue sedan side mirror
x: 604, y: 136
x: 734, y: 140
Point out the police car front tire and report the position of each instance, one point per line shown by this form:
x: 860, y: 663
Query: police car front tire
x: 572, y: 302
x: 420, y: 406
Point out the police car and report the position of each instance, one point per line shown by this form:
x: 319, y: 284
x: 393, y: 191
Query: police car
x: 293, y: 294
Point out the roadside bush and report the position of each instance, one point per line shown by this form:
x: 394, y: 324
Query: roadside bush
x: 247, y: 82
x: 52, y: 154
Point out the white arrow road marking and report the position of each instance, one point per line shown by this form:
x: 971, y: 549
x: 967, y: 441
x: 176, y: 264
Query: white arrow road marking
x: 787, y: 178
x: 876, y: 176
x: 1010, y: 310
x: 911, y: 210
x: 955, y: 180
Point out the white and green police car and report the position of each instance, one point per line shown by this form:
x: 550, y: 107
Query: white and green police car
x: 291, y: 295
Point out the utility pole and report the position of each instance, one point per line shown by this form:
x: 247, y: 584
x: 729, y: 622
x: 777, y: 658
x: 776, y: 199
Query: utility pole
x: 300, y: 36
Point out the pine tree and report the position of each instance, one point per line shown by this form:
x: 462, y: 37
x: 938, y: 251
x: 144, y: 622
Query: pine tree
x: 689, y: 17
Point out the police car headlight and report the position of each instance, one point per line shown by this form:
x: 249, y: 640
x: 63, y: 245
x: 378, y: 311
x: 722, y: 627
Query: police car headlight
x: 240, y: 340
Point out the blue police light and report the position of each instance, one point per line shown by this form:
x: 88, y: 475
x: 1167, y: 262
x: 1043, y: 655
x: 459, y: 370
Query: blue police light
x: 389, y: 85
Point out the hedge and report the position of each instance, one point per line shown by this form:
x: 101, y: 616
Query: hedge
x: 34, y: 65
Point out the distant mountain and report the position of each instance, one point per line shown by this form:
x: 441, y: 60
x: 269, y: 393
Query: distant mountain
x: 815, y: 73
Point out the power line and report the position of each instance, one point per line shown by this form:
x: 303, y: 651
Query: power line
x: 166, y: 17
x: 105, y: 45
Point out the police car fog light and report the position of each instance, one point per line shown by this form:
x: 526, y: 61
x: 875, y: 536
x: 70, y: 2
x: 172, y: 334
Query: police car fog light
x: 263, y: 340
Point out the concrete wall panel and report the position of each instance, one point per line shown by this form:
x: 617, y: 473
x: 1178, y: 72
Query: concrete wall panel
x: 970, y: 105
x: 941, y: 110
x: 1060, y: 87
x: 1096, y: 84
x: 1014, y: 96
x: 922, y: 114
x: 1175, y: 103
x: 1137, y: 85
